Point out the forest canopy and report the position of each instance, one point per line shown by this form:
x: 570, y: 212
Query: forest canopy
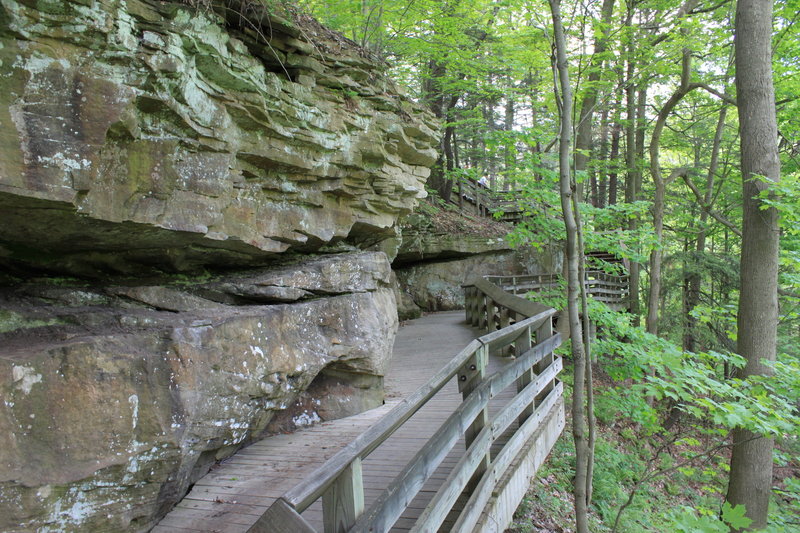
x: 662, y: 174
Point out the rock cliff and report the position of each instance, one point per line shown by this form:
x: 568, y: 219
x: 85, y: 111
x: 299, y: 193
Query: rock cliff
x: 442, y: 249
x: 157, y: 135
x: 196, y: 199
x: 116, y: 398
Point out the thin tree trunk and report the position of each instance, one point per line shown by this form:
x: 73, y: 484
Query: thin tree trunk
x: 612, y: 157
x: 660, y: 189
x: 568, y: 190
x: 600, y: 171
x: 591, y: 422
x: 750, y: 481
x: 491, y: 126
x: 447, y: 180
x: 631, y: 164
x: 583, y: 140
x: 509, y: 152
x: 694, y: 281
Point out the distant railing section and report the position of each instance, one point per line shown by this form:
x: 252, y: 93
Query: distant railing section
x: 611, y: 289
x: 483, y: 201
x: 538, y: 397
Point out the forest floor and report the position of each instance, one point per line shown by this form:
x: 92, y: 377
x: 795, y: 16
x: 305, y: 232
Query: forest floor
x: 439, y: 217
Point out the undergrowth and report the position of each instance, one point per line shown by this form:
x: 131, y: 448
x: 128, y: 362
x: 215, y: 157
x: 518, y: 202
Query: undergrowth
x: 670, y: 481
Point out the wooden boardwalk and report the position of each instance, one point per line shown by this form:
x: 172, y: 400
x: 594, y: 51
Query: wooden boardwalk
x: 234, y: 494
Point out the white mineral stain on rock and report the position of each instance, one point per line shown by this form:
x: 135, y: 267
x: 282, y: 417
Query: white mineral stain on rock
x: 306, y: 419
x: 25, y: 377
x: 255, y: 350
x: 134, y: 401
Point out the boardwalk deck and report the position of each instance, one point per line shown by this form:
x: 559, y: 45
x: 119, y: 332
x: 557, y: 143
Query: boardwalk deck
x: 234, y: 494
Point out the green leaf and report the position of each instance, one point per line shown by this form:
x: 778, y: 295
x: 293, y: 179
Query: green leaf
x: 735, y: 516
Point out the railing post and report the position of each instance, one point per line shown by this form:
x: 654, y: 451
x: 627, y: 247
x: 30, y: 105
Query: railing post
x: 522, y: 345
x: 469, y: 377
x: 503, y: 320
x: 476, y: 307
x: 545, y: 331
x: 343, y: 502
x: 489, y: 315
x: 469, y: 297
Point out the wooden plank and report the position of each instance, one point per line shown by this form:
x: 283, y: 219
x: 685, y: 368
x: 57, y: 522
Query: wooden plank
x: 483, y: 492
x: 440, y: 505
x: 522, y: 345
x: 543, y: 334
x: 498, y: 338
x: 215, y: 507
x: 383, y: 513
x: 514, y: 484
x: 470, y: 378
x: 525, y: 397
x: 442, y: 502
x: 533, y: 357
x: 183, y: 517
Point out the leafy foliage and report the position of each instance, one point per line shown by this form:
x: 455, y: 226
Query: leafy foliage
x: 484, y: 67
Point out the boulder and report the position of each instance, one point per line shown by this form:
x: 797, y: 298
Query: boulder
x: 115, y: 399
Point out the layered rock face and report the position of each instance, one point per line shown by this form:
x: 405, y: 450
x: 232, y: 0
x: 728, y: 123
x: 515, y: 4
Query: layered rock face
x: 117, y: 398
x: 186, y: 157
x: 141, y: 135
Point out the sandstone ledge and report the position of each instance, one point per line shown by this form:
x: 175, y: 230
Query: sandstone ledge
x: 179, y: 139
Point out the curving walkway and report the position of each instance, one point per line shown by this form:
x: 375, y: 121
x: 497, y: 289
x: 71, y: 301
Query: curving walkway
x: 237, y: 492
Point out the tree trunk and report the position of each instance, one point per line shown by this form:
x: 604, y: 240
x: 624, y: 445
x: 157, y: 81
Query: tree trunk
x: 751, y: 459
x: 447, y: 145
x: 510, y: 156
x: 694, y: 279
x: 616, y: 131
x: 568, y: 191
x: 600, y: 182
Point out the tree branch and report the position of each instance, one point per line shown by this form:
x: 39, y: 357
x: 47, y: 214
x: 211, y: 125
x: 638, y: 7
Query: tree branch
x: 716, y: 216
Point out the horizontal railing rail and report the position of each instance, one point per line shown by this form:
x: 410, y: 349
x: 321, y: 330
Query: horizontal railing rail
x: 526, y: 330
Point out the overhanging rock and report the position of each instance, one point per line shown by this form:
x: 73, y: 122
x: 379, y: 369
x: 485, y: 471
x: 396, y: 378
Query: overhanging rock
x: 142, y: 136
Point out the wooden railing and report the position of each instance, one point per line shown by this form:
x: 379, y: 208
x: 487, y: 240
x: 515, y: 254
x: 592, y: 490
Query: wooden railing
x: 483, y: 201
x: 611, y: 289
x: 534, y: 414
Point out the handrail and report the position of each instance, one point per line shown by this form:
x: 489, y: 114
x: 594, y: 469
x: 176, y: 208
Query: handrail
x: 486, y: 201
x: 307, y: 491
x: 611, y: 289
x: 338, y: 481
